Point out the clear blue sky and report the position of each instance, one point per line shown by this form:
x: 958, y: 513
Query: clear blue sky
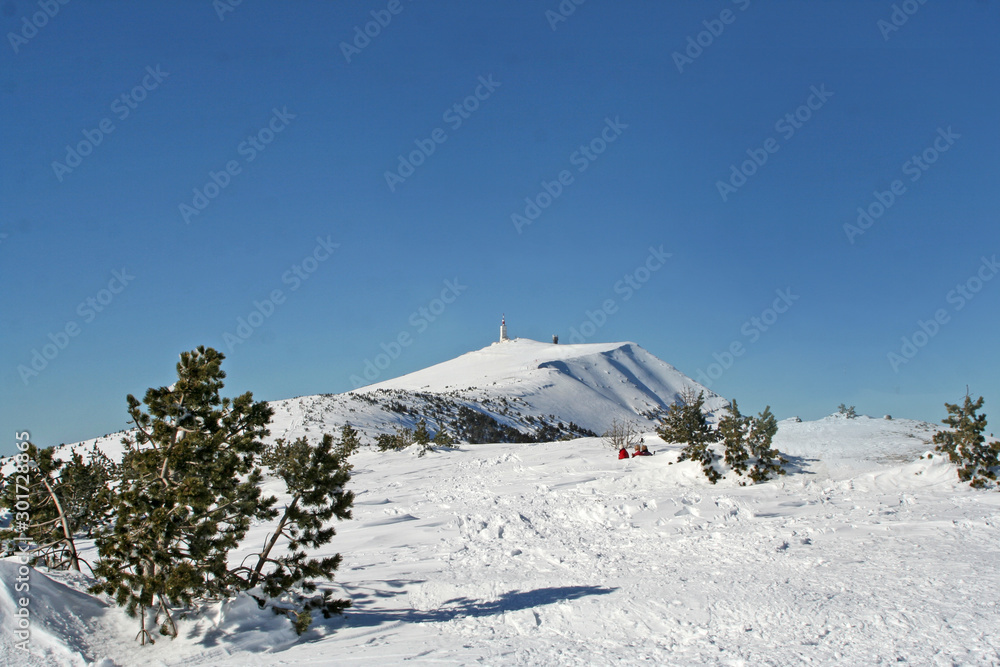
x: 616, y: 122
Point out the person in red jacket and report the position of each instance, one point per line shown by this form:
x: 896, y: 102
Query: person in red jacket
x: 622, y: 454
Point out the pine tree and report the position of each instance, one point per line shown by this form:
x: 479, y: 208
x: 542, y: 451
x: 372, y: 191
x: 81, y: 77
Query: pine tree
x: 63, y: 497
x: 315, y: 479
x: 350, y: 440
x: 685, y: 422
x: 87, y: 482
x: 978, y: 463
x: 420, y: 435
x: 733, y: 429
x: 35, y: 494
x: 443, y: 439
x: 748, y: 444
x: 189, y: 489
x: 760, y: 433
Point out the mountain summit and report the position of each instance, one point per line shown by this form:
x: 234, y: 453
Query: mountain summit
x: 511, y: 391
x: 589, y: 384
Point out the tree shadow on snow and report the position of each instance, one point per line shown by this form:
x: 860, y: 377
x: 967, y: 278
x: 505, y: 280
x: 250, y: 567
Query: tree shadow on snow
x: 798, y: 465
x: 366, y: 613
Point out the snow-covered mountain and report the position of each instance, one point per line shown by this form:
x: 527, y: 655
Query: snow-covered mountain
x: 544, y: 391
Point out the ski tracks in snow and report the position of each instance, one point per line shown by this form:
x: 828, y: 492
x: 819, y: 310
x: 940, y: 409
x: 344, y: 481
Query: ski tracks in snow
x: 554, y: 559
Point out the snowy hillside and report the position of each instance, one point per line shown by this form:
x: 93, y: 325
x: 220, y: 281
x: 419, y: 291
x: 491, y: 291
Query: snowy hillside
x: 569, y: 390
x: 560, y: 554
x: 588, y: 383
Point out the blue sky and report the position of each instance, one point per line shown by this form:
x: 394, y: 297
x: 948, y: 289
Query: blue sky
x: 171, y: 168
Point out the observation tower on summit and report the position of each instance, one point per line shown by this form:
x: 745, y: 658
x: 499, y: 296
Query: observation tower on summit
x: 503, y: 329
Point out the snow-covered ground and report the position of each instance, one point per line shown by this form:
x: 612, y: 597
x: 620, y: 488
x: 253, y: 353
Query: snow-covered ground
x: 560, y: 554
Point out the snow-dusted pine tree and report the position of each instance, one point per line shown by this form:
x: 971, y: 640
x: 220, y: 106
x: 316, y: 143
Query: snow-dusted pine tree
x: 978, y: 463
x: 769, y: 461
x: 733, y: 429
x: 686, y: 423
x: 747, y: 440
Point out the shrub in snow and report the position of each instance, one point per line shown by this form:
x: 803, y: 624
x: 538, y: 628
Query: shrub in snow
x: 847, y: 411
x: 401, y: 439
x: 420, y: 435
x: 686, y: 423
x: 978, y: 463
x: 747, y: 442
x: 769, y: 461
x: 733, y: 430
x: 442, y: 439
x: 622, y: 434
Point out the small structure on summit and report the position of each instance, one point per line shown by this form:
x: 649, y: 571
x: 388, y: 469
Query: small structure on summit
x: 503, y: 329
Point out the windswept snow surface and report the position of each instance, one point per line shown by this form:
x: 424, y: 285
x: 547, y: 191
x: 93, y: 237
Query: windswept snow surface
x: 560, y: 554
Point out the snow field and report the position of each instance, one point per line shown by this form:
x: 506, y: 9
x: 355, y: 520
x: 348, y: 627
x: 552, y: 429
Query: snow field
x: 560, y: 554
